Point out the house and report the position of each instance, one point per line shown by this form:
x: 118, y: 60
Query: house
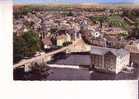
x: 102, y: 42
x: 109, y: 59
x: 114, y: 31
x: 47, y: 42
x: 133, y: 48
x: 61, y: 39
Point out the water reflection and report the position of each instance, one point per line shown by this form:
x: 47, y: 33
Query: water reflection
x: 72, y: 74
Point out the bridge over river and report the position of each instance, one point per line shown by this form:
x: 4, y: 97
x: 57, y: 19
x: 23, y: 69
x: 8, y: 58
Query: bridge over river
x: 76, y: 46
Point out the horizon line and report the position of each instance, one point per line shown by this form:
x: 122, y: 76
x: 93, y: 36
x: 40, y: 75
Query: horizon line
x: 76, y: 2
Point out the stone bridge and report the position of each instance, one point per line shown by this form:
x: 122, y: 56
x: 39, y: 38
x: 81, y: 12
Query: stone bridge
x: 76, y: 46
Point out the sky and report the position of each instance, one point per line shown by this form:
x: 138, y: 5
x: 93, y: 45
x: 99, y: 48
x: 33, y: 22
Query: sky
x: 74, y: 1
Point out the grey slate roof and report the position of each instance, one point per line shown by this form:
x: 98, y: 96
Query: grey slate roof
x: 103, y: 50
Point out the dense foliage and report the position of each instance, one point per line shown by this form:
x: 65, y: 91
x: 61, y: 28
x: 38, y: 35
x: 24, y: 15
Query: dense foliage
x: 26, y: 45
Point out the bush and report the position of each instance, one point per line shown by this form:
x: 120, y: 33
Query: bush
x: 39, y: 69
x: 67, y: 43
x: 38, y: 72
x: 124, y: 34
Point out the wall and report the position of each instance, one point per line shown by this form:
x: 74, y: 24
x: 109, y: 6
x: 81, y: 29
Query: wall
x: 110, y: 62
x: 122, y: 62
x: 134, y: 57
x: 97, y: 61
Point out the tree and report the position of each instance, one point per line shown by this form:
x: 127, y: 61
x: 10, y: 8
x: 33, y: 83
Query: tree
x: 26, y: 45
x: 38, y: 72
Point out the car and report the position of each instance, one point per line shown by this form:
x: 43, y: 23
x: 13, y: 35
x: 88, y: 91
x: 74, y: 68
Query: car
x: 128, y: 69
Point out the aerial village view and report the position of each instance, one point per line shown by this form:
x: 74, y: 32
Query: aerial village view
x: 76, y: 41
